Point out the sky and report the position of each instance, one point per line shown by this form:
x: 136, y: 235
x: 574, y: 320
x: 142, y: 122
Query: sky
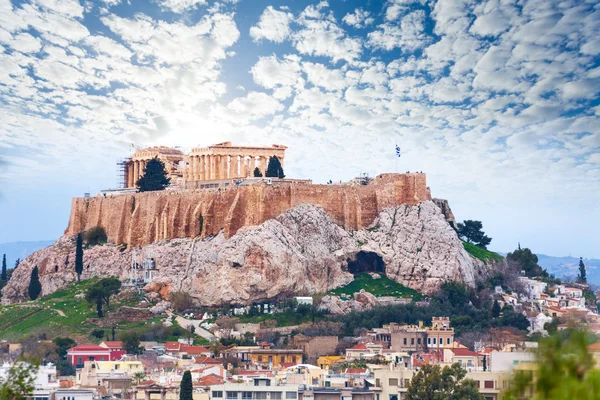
x: 496, y: 101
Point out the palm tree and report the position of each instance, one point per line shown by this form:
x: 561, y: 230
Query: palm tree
x: 139, y: 376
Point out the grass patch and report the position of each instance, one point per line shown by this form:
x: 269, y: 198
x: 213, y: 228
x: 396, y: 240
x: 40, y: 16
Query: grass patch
x: 481, y: 254
x: 378, y: 287
x: 44, y: 315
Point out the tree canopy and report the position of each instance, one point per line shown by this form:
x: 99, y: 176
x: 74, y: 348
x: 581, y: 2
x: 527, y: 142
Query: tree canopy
x: 526, y: 261
x: 472, y: 232
x: 3, y: 275
x: 274, y: 168
x: 581, y: 278
x: 433, y: 382
x: 565, y: 370
x: 186, y: 388
x: 257, y: 173
x: 154, y: 176
x: 20, y: 382
x: 35, y: 287
x: 100, y: 292
x: 79, y: 256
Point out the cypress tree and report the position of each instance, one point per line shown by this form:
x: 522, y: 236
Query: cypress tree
x: 186, y: 388
x: 496, y: 309
x: 581, y: 278
x: 35, y: 287
x: 79, y: 256
x: 274, y: 169
x: 3, y: 276
x: 257, y: 173
x: 155, y: 176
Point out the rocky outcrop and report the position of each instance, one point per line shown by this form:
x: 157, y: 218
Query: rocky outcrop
x: 300, y: 251
x: 143, y: 218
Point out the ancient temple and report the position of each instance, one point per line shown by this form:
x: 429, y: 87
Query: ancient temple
x: 221, y: 161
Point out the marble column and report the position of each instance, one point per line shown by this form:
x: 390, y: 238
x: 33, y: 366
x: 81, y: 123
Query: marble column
x: 245, y: 163
x: 200, y: 168
x: 281, y: 162
x: 204, y: 164
x: 263, y: 165
x: 213, y: 167
x: 130, y: 182
x: 136, y: 172
x: 223, y: 167
x: 252, y: 165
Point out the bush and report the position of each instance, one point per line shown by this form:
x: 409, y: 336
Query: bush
x: 95, y: 236
x: 97, y: 333
x: 181, y: 301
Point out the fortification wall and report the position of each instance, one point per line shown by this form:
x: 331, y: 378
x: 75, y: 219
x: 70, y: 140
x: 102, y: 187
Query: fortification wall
x: 142, y: 218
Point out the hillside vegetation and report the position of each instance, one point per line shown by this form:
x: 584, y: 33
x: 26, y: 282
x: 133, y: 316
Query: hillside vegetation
x: 63, y: 313
x: 482, y: 254
x: 383, y: 286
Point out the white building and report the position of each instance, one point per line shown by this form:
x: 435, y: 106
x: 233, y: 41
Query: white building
x: 260, y: 388
x: 75, y: 394
x: 537, y: 322
x: 505, y: 361
x: 534, y: 288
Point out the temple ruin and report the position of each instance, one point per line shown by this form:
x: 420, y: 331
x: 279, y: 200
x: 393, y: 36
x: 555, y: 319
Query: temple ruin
x: 218, y: 162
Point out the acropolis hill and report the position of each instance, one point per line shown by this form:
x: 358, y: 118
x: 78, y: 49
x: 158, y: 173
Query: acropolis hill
x: 226, y: 237
x: 138, y: 219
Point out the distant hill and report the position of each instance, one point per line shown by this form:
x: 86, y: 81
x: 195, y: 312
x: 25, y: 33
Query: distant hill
x: 569, y: 267
x: 14, y: 250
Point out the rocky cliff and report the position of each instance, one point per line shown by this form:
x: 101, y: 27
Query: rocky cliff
x: 301, y: 251
x: 143, y: 218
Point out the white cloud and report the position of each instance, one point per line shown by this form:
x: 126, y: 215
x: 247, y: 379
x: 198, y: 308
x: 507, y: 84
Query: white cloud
x: 325, y: 38
x: 409, y: 36
x: 179, y: 6
x: 271, y: 72
x: 320, y: 75
x: 359, y: 18
x: 273, y: 25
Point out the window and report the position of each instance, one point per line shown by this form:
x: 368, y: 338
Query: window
x: 469, y: 363
x: 488, y: 384
x: 275, y: 395
x: 271, y: 359
x: 406, y: 383
x: 246, y: 395
x: 231, y: 395
x: 260, y: 395
x: 477, y: 384
x: 448, y: 341
x: 460, y: 362
x: 412, y: 340
x: 78, y: 360
x: 393, y: 382
x: 377, y: 396
x: 419, y: 341
x: 291, y: 395
x: 393, y: 397
x: 259, y: 358
x: 217, y: 394
x: 405, y: 341
x: 428, y: 340
x: 434, y: 340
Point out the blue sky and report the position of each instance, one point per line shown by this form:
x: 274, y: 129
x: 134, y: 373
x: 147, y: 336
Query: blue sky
x: 497, y: 101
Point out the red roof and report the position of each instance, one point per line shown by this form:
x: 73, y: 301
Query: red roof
x: 172, y: 346
x: 253, y: 372
x: 210, y: 380
x: 88, y: 347
x: 206, y: 360
x: 186, y: 348
x: 464, y: 353
x: 356, y: 370
x: 148, y: 382
x: 287, y: 364
x: 113, y: 345
x: 361, y: 346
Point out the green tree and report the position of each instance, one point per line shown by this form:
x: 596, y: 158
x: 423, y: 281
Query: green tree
x: 35, y: 287
x: 525, y: 261
x: 274, y: 168
x: 433, y: 382
x: 3, y: 275
x: 581, y: 278
x: 257, y: 173
x: 186, y: 388
x: 79, y: 256
x: 131, y: 341
x: 496, y: 309
x: 154, y: 176
x: 453, y: 292
x: 100, y: 292
x: 565, y: 370
x: 20, y: 382
x: 472, y: 232
x: 139, y: 376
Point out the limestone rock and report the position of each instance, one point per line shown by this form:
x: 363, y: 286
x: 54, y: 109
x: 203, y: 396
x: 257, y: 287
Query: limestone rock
x: 160, y: 308
x: 366, y: 298
x: 299, y: 252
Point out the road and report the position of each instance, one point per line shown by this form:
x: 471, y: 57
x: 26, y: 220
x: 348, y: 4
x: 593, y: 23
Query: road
x: 200, y: 331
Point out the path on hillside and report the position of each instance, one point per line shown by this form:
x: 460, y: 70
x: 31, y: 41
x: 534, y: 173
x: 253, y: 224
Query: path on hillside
x: 186, y: 323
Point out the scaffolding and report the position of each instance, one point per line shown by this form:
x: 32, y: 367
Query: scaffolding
x: 122, y: 173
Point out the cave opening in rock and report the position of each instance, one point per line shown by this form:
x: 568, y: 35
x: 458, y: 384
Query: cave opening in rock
x: 366, y: 261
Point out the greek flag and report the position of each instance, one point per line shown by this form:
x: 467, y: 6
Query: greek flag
x: 397, y: 151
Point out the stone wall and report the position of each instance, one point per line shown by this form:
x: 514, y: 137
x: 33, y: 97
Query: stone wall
x: 143, y: 218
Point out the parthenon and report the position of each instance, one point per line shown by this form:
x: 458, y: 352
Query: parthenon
x: 221, y: 161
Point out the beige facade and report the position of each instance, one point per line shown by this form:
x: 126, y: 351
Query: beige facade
x: 221, y: 161
x: 225, y: 161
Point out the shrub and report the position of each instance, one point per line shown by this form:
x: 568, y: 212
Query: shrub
x: 95, y: 236
x: 97, y: 333
x: 181, y: 301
